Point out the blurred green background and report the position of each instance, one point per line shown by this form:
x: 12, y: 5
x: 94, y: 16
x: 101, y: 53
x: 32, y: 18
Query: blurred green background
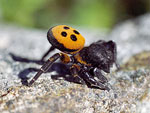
x: 89, y: 13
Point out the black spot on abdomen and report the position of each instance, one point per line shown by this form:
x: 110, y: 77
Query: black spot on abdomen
x: 73, y: 38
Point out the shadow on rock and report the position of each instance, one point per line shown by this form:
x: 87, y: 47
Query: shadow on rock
x: 23, y: 75
x: 25, y: 60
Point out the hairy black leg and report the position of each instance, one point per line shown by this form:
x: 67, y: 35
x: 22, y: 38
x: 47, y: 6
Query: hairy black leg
x: 50, y: 49
x: 90, y: 79
x: 99, y: 75
x: 45, y: 67
x: 74, y: 72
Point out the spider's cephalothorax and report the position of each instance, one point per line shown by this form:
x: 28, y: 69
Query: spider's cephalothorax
x: 87, y: 62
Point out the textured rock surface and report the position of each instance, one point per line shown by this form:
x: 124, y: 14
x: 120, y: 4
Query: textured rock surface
x: 130, y: 86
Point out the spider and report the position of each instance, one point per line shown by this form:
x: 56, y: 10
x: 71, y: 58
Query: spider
x: 86, y: 62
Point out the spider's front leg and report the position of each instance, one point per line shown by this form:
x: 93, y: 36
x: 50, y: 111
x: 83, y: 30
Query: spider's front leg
x: 74, y: 72
x: 85, y: 75
x: 45, y: 67
x: 99, y: 75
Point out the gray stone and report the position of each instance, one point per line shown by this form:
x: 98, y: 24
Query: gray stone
x: 130, y: 87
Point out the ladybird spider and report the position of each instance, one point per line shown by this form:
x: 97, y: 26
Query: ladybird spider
x: 87, y: 62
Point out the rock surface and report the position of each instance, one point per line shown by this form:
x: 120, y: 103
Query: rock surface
x: 130, y: 86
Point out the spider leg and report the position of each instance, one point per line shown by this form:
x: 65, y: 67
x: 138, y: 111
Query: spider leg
x: 97, y: 72
x: 45, y: 67
x: 90, y: 79
x: 99, y: 75
x: 74, y: 72
x: 50, y: 49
